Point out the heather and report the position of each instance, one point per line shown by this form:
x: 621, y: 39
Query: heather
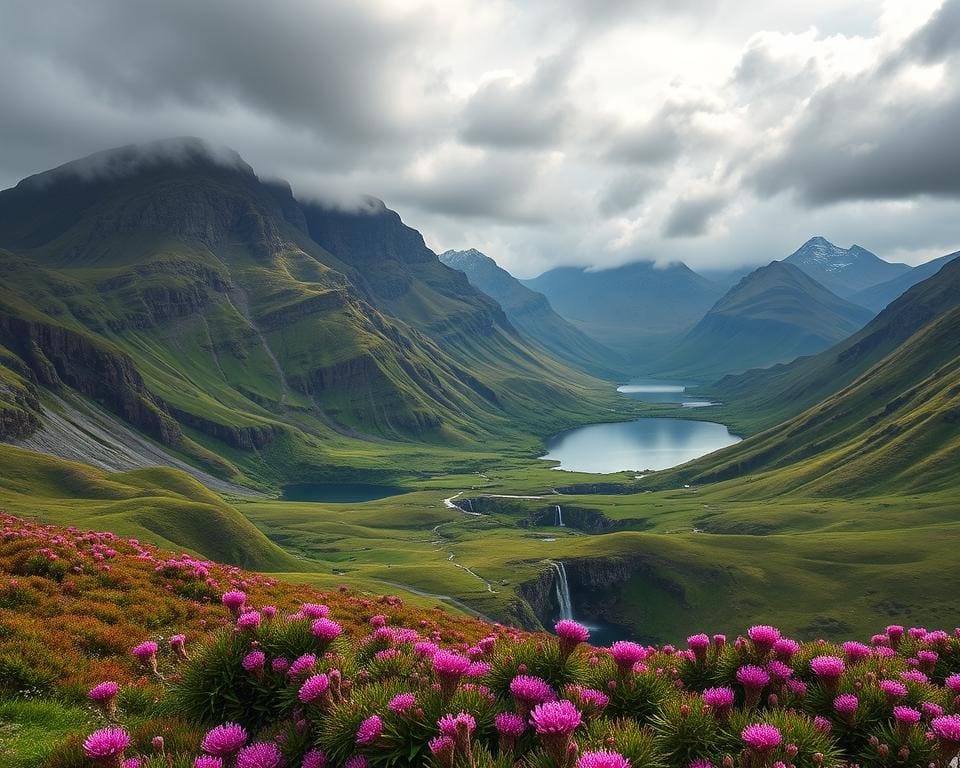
x: 252, y: 673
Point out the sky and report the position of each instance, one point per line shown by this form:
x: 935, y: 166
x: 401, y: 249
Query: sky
x: 541, y: 132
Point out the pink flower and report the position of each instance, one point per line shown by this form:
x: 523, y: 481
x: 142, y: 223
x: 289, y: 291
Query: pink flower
x: 249, y: 620
x: 720, y: 700
x: 700, y: 762
x: 263, y: 754
x: 145, y: 651
x: 528, y: 691
x: 106, y: 744
x: 856, y: 652
x: 509, y: 724
x: 906, y: 715
x: 761, y: 738
x: 370, y: 730
x: 570, y: 634
x: 626, y: 654
x: 699, y: 644
x: 314, y: 759
x: 234, y: 600
x: 402, y: 702
x: 442, y: 747
x: 753, y: 677
x: 450, y: 725
x: 822, y: 724
x: 254, y: 661
x: 313, y: 689
x: 931, y: 710
x: 555, y: 717
x: 357, y: 761
x: 894, y: 690
x: 946, y: 729
x: 326, y: 630
x: 103, y: 691
x: 763, y: 637
x: 302, y: 665
x: 828, y: 669
x: 602, y: 759
x: 208, y: 761
x: 224, y: 740
x: 953, y: 683
x: 778, y: 670
x: 785, y: 648
x: 846, y: 705
x: 914, y: 676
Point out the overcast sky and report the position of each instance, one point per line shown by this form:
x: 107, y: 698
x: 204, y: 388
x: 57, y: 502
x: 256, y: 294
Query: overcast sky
x: 542, y: 132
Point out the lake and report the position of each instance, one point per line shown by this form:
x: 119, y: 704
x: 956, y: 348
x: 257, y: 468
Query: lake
x: 637, y: 445
x: 657, y: 391
x: 338, y: 493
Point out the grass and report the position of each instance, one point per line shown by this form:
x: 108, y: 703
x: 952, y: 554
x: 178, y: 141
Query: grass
x: 31, y: 729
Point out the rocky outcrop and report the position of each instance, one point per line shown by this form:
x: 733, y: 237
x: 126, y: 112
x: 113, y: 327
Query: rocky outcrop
x: 19, y: 411
x: 58, y: 357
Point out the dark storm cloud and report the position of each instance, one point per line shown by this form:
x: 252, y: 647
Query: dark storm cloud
x: 690, y: 217
x: 530, y: 113
x: 624, y: 193
x: 873, y: 137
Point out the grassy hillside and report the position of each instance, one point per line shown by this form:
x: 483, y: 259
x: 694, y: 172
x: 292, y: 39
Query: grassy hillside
x: 773, y: 315
x: 189, y: 298
x: 759, y: 399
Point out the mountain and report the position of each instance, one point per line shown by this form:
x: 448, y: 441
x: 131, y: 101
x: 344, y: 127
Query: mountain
x: 761, y: 399
x: 258, y: 336
x: 774, y: 314
x: 636, y: 309
x: 531, y: 313
x: 878, y: 296
x: 845, y: 271
x: 893, y: 429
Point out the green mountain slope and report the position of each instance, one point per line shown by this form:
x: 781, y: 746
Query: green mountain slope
x: 531, y: 313
x: 896, y: 428
x: 773, y: 315
x: 637, y: 309
x: 845, y: 271
x: 172, y: 286
x: 879, y: 296
x: 759, y: 399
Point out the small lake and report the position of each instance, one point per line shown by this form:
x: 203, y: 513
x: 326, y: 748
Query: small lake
x: 637, y: 445
x: 338, y: 493
x: 657, y: 391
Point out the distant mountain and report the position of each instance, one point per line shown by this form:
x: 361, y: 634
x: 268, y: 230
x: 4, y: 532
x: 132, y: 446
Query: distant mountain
x: 774, y: 314
x: 531, y: 313
x: 767, y: 397
x: 259, y: 336
x: 637, y: 309
x: 845, y: 271
x: 878, y: 296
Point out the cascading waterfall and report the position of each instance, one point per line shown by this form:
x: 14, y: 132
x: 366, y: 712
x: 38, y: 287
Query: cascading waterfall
x: 470, y: 504
x: 563, y: 591
x: 560, y: 517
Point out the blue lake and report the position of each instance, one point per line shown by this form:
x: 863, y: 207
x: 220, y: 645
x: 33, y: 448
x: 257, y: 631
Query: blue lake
x: 657, y: 391
x: 639, y: 445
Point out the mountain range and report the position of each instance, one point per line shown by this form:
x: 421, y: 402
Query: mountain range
x: 531, y: 313
x: 845, y: 271
x: 774, y: 314
x: 254, y: 334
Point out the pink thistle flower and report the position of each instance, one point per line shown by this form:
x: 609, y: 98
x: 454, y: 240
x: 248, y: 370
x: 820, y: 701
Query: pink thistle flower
x: 107, y: 744
x: 179, y: 645
x: 895, y: 634
x: 234, y: 600
x: 778, y: 670
x: 763, y: 636
x: 822, y: 724
x: 931, y: 710
x: 571, y: 634
x: 208, y: 761
x: 450, y: 725
x: 846, y: 705
x: 855, y: 652
x: 702, y: 762
x: 254, y: 661
x: 720, y: 701
x: 626, y: 653
x: 103, y: 692
x: 555, y: 722
x: 927, y: 660
x: 450, y: 667
x: 761, y: 738
x: 946, y: 730
x: 510, y: 724
x: 914, y: 676
x: 224, y: 740
x: 699, y: 644
x: 249, y: 620
x: 357, y: 761
x: 313, y: 689
x: 893, y: 690
x: 828, y: 669
x: 303, y: 665
x: 314, y: 759
x: 262, y: 754
x: 753, y: 679
x: 785, y: 649
x: 443, y: 748
x: 906, y: 716
x: 602, y: 759
x: 402, y: 702
x: 370, y: 730
x: 378, y: 621
x: 529, y: 691
x: 326, y: 630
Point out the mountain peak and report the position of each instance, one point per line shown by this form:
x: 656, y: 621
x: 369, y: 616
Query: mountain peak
x: 844, y: 271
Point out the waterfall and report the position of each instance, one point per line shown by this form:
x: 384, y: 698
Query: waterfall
x: 470, y: 504
x: 560, y: 517
x: 563, y: 591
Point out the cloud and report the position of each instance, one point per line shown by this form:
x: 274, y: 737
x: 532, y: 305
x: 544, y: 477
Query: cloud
x: 690, y: 217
